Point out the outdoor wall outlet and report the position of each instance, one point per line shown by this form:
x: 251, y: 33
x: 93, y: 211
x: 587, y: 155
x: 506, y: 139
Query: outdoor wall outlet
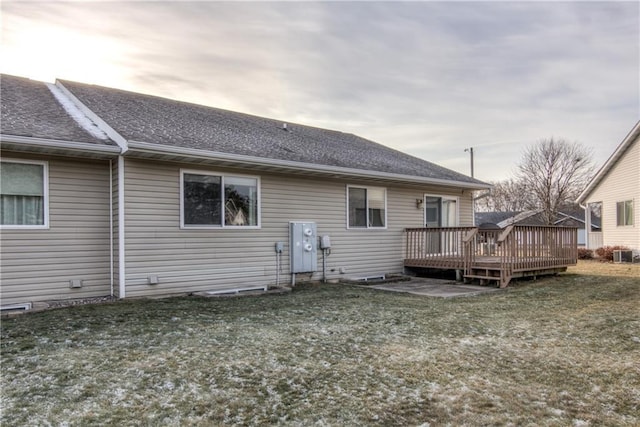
x: 154, y: 280
x: 75, y: 283
x: 343, y: 270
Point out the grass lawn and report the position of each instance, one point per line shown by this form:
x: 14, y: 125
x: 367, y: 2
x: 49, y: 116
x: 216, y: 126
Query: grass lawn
x: 560, y: 351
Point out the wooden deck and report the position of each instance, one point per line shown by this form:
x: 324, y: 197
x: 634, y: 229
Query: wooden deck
x: 493, y: 255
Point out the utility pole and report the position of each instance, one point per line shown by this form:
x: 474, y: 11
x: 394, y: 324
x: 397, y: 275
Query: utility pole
x: 470, y: 150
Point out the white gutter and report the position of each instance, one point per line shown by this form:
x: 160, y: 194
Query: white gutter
x: 121, y: 235
x: 145, y: 147
x: 64, y: 145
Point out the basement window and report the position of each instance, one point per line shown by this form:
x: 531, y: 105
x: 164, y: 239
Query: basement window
x: 211, y: 200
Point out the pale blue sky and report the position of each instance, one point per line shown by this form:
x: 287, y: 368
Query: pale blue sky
x: 427, y: 78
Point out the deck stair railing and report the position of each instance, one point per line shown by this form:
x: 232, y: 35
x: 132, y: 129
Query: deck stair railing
x: 486, y: 251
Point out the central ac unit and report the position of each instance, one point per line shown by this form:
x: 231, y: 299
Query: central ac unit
x: 622, y: 256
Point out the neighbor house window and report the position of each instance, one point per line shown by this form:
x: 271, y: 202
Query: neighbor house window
x: 23, y: 194
x: 217, y: 200
x: 367, y: 207
x: 624, y: 213
x: 594, y: 212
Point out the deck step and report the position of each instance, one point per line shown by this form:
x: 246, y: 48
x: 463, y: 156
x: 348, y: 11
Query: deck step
x: 477, y: 276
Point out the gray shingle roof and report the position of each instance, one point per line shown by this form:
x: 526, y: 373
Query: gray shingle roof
x: 493, y: 217
x: 29, y: 109
x: 150, y: 119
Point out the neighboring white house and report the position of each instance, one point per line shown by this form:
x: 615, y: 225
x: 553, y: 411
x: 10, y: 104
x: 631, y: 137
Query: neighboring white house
x: 613, y: 195
x: 112, y: 192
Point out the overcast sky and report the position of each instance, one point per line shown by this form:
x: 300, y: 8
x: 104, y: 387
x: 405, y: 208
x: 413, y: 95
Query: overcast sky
x: 426, y: 78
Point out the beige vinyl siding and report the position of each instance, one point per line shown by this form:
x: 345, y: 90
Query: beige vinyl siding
x: 620, y: 184
x: 37, y: 264
x: 465, y: 209
x: 189, y: 260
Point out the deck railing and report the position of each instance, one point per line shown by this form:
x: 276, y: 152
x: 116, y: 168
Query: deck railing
x: 515, y: 248
x: 529, y: 248
x: 438, y: 247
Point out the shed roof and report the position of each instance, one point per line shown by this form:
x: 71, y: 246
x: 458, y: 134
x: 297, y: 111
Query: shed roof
x: 494, y: 217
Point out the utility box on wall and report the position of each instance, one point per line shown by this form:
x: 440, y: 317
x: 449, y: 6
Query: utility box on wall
x: 303, y: 247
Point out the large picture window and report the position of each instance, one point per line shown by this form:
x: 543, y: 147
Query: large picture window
x: 624, y: 213
x: 216, y: 200
x: 367, y: 207
x: 23, y: 194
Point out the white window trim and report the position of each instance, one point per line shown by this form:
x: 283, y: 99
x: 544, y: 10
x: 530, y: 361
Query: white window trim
x: 222, y: 175
x: 45, y: 193
x: 367, y: 227
x: 442, y: 199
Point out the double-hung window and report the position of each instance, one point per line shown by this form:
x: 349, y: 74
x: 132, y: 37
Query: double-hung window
x: 23, y: 194
x: 624, y: 213
x: 366, y: 207
x: 211, y: 200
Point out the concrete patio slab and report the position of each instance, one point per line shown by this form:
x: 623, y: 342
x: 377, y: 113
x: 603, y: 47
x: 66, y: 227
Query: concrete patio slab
x: 434, y: 288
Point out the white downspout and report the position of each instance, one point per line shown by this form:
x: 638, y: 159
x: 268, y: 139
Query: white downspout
x: 121, y: 220
x: 111, y: 226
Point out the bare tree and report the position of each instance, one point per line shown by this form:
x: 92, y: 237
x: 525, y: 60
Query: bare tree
x: 505, y: 196
x: 554, y: 172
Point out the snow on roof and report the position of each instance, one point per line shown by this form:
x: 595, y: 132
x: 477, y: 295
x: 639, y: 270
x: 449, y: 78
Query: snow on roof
x: 75, y: 113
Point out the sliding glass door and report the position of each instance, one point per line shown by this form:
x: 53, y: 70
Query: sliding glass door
x: 439, y: 212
